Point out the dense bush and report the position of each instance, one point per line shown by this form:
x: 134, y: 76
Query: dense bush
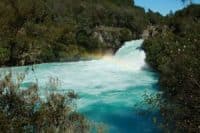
x: 45, y: 30
x: 22, y: 110
x: 175, y: 55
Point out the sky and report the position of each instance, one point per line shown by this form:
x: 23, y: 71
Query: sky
x: 162, y: 6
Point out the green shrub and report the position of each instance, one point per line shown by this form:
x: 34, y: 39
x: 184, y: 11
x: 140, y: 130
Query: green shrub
x: 24, y: 110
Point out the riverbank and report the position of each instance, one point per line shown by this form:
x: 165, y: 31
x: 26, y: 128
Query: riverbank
x: 174, y: 54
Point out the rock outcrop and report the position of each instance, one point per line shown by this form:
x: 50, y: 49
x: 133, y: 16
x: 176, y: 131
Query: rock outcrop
x: 112, y: 37
x: 152, y: 31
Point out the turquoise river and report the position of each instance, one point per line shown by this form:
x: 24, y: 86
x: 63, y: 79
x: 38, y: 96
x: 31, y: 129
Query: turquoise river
x: 109, y: 88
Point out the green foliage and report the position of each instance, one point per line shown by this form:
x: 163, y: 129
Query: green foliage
x: 154, y: 17
x: 175, y: 55
x: 25, y: 111
x: 4, y: 56
x: 46, y: 30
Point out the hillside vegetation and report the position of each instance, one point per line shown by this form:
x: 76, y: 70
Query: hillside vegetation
x: 174, y: 53
x: 35, y: 31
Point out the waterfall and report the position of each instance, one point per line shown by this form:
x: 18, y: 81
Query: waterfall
x: 130, y: 56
